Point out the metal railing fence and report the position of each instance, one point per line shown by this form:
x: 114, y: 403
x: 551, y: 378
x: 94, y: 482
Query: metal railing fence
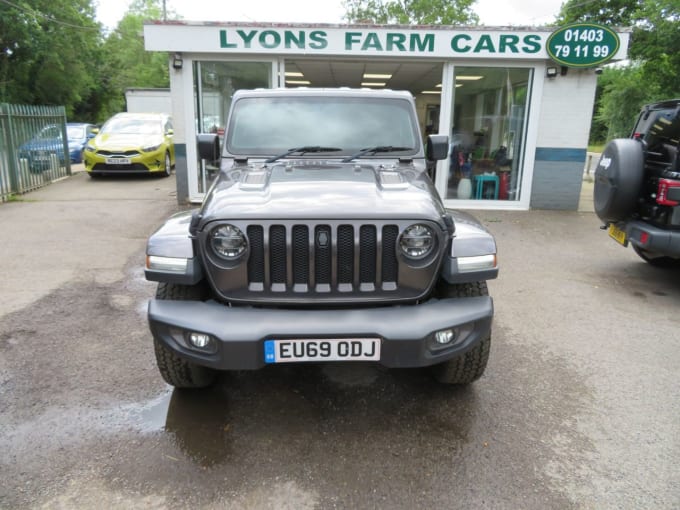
x: 33, y: 148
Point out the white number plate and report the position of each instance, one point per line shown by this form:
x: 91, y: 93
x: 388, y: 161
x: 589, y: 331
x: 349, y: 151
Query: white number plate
x: 335, y: 349
x: 118, y: 161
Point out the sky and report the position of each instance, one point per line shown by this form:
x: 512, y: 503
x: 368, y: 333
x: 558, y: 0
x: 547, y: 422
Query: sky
x: 491, y: 12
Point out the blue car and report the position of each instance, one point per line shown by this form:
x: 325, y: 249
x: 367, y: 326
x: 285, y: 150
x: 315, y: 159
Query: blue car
x: 78, y: 135
x: 49, y: 142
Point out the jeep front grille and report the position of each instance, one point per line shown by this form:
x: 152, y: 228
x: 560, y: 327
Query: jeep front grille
x: 302, y: 257
x: 326, y: 261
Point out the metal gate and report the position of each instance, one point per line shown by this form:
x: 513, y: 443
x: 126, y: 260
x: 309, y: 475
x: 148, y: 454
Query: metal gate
x: 33, y: 148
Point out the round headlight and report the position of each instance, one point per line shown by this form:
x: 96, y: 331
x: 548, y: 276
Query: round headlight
x: 228, y: 242
x: 417, y: 241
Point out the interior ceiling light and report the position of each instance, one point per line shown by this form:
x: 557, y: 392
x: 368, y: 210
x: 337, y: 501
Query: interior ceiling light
x: 372, y: 84
x: 298, y: 82
x: 431, y: 92
x: 294, y: 74
x: 371, y: 76
x: 469, y: 78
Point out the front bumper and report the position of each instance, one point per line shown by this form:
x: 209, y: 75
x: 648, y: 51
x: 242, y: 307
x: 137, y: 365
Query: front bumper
x: 406, y: 332
x: 141, y: 163
x: 653, y: 239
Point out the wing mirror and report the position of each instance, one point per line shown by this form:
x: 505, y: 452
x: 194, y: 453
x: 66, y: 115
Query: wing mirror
x: 437, y: 147
x: 208, y: 146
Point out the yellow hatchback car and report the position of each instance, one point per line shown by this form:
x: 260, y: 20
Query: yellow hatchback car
x: 132, y: 143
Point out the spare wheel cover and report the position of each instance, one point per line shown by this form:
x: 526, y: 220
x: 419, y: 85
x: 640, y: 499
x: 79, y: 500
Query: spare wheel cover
x: 618, y: 179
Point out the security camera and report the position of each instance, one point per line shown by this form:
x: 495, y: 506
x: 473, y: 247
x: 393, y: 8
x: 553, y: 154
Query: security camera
x: 598, y: 70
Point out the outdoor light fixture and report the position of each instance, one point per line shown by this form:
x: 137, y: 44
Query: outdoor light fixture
x: 177, y: 61
x: 551, y: 72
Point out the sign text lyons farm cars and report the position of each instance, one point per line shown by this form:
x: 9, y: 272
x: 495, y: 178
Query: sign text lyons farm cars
x: 582, y: 45
x: 372, y: 42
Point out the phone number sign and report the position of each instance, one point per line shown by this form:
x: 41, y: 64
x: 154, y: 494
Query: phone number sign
x: 582, y: 45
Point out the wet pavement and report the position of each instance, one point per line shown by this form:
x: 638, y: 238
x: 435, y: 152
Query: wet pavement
x: 579, y: 407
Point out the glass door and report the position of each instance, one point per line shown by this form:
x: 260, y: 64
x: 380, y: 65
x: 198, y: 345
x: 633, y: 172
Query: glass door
x: 214, y: 85
x: 488, y: 133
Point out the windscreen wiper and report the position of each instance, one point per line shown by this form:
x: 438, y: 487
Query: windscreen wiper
x: 373, y: 150
x: 303, y: 150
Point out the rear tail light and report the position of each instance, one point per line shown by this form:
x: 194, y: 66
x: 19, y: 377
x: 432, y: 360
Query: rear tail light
x: 668, y: 192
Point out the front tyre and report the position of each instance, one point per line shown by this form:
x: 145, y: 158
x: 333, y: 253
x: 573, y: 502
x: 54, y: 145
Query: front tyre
x: 167, y: 169
x: 175, y: 370
x: 469, y: 366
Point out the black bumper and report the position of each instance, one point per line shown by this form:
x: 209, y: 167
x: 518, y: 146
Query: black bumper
x: 654, y: 239
x: 406, y: 332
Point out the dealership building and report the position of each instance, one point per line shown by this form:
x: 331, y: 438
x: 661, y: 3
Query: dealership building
x: 516, y: 101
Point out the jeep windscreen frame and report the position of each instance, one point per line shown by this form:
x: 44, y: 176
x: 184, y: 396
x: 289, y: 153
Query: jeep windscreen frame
x: 265, y: 126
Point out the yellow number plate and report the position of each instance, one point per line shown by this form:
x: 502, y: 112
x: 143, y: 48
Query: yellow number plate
x: 617, y: 234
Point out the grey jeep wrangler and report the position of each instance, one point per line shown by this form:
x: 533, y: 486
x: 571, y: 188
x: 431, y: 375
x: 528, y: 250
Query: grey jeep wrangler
x: 637, y: 185
x: 321, y: 239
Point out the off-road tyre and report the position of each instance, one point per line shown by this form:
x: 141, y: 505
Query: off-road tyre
x: 469, y: 366
x: 656, y: 260
x: 176, y: 292
x: 177, y: 371
x: 462, y: 290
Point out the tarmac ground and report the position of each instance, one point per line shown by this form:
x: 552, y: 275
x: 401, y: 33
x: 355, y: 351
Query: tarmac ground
x: 578, y: 407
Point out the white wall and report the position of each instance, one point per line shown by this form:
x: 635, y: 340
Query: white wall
x: 566, y: 109
x: 148, y: 101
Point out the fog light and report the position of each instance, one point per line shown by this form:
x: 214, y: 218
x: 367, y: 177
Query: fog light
x: 199, y: 340
x: 445, y: 336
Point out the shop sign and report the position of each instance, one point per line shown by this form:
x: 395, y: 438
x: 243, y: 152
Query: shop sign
x: 582, y: 45
x: 575, y: 45
x: 436, y: 43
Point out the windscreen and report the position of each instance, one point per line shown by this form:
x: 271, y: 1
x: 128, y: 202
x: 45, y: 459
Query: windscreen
x: 75, y: 132
x: 132, y: 126
x: 271, y: 125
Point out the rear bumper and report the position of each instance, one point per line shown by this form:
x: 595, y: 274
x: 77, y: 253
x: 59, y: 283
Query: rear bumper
x: 654, y: 239
x: 406, y: 332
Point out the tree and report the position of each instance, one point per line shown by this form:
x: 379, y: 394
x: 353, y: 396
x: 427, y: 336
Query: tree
x: 406, y: 12
x: 624, y: 91
x: 46, y: 47
x: 656, y: 43
x: 618, y: 13
x: 654, y: 52
x: 126, y: 64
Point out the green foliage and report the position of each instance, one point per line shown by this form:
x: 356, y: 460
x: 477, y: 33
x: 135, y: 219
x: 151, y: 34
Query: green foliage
x: 45, y: 50
x: 52, y: 52
x: 126, y: 64
x: 654, y: 51
x: 656, y: 43
x: 405, y: 12
x: 624, y: 91
x: 618, y: 13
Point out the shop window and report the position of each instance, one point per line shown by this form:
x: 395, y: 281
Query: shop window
x: 488, y: 135
x: 214, y: 86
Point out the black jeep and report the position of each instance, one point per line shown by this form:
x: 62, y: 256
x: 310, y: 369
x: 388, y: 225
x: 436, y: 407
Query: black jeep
x: 637, y: 185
